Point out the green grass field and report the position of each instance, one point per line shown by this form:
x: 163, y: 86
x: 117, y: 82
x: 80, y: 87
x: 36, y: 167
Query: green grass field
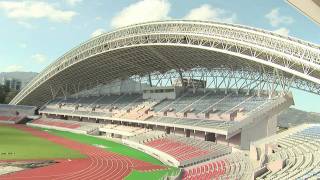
x: 109, y: 145
x: 25, y: 146
x: 123, y: 150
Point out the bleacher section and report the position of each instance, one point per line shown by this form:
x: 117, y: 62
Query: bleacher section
x: 232, y: 166
x: 59, y: 124
x: 124, y: 131
x: 205, y: 123
x: 104, y: 106
x: 9, y: 119
x: 13, y: 109
x: 212, y: 110
x: 216, y: 105
x: 188, y: 150
x: 13, y: 114
x: 299, y: 148
x: 147, y: 136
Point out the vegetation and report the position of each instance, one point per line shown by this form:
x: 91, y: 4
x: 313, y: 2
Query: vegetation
x: 6, y: 95
x: 16, y: 144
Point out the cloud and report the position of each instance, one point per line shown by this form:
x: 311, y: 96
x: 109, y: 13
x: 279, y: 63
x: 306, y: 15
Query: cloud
x: 73, y: 2
x: 13, y: 68
x: 23, y: 10
x: 282, y: 31
x: 26, y: 24
x: 52, y: 28
x: 208, y: 13
x: 98, y: 18
x: 23, y: 45
x: 275, y: 19
x: 142, y: 11
x: 97, y: 32
x: 39, y: 58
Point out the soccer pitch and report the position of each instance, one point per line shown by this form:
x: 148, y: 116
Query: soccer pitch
x: 107, y: 145
x: 123, y: 150
x: 16, y: 144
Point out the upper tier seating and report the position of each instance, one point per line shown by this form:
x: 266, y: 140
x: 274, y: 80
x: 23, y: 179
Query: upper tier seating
x: 216, y: 110
x: 93, y: 105
x: 201, y: 102
x: 194, y: 122
x: 301, y: 151
x: 232, y: 166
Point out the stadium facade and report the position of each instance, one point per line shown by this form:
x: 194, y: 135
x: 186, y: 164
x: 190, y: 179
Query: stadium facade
x: 193, y: 94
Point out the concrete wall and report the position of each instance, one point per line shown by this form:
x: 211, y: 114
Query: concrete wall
x: 258, y: 130
x: 176, y: 92
x: 163, y: 157
x: 235, y: 141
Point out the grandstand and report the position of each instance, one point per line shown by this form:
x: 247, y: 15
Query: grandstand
x: 293, y: 154
x: 212, y: 115
x: 200, y: 96
x: 233, y: 166
x: 15, y: 114
x: 78, y: 127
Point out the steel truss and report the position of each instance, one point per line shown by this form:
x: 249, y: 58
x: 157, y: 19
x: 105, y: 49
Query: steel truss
x: 282, y: 57
x: 229, y: 79
x: 219, y: 79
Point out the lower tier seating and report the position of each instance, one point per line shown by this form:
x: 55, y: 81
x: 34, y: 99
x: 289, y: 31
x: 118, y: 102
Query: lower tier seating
x: 82, y: 126
x: 57, y: 123
x: 188, y: 149
x: 123, y: 130
x: 9, y: 119
x: 232, y: 166
x: 176, y: 149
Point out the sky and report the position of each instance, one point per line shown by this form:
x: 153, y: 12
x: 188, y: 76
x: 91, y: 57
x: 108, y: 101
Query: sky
x: 34, y: 33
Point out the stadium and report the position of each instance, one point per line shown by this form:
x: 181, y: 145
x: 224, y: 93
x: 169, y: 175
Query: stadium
x: 167, y: 100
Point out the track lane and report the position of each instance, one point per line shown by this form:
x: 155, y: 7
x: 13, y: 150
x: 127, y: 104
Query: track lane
x: 99, y: 164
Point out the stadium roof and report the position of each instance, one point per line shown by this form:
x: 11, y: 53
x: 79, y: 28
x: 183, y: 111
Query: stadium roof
x: 151, y: 47
x: 311, y: 8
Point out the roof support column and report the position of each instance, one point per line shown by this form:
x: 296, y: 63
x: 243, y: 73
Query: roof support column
x: 150, y: 81
x: 181, y: 77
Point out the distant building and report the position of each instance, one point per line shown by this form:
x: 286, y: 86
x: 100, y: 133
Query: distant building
x: 12, y: 83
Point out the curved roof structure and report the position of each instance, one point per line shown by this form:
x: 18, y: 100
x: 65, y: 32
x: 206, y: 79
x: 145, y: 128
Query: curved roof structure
x: 151, y: 47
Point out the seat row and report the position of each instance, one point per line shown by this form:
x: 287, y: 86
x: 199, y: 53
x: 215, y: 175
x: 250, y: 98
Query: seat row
x: 232, y: 166
x: 301, y: 153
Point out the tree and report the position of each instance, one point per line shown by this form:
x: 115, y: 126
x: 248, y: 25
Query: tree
x: 6, y: 95
x: 9, y: 96
x: 3, y: 94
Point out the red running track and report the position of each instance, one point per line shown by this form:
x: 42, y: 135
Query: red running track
x: 99, y: 163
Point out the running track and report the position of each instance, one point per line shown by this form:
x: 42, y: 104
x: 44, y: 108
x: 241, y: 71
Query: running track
x: 99, y: 164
